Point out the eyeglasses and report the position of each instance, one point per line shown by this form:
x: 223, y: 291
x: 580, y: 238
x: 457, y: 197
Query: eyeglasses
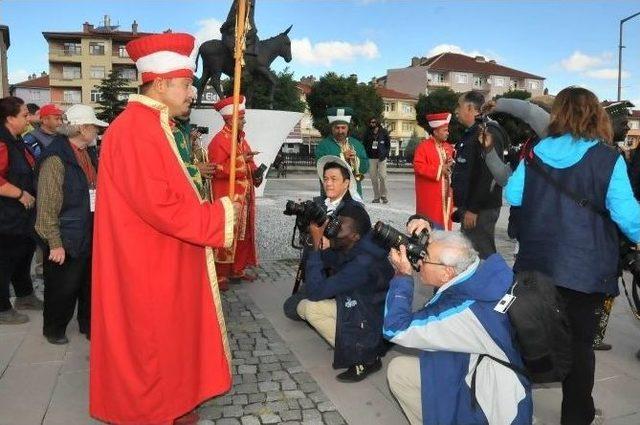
x: 434, y: 263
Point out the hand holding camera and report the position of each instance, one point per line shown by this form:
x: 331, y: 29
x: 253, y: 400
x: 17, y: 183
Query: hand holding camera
x: 414, y: 246
x: 399, y: 260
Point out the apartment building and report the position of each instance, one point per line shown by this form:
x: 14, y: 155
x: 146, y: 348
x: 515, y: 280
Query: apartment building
x: 399, y: 117
x: 34, y: 90
x: 460, y: 73
x: 4, y: 73
x: 78, y: 61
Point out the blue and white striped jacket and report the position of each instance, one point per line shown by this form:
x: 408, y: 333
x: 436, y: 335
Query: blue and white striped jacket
x: 453, y: 330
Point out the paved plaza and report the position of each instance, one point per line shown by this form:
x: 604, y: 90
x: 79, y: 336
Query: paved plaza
x: 282, y: 369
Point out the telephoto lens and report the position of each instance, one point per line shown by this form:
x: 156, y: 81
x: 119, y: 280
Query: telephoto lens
x: 415, y: 245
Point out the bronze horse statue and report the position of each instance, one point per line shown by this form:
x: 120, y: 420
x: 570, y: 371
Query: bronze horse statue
x: 218, y: 59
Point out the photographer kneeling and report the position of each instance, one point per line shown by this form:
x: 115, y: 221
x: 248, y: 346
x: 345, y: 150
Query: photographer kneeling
x: 453, y: 381
x: 346, y: 279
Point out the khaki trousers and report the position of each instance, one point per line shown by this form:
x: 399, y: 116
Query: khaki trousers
x: 378, y: 173
x: 322, y: 316
x: 403, y: 374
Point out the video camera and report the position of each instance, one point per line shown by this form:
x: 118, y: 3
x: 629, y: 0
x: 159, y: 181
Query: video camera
x: 308, y: 212
x: 416, y: 245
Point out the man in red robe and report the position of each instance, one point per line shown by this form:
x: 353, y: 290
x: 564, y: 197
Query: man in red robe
x: 432, y: 162
x: 158, y: 341
x: 232, y: 262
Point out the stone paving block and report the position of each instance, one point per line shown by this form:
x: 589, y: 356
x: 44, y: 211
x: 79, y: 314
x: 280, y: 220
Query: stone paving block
x: 333, y: 418
x: 232, y: 411
x: 270, y: 367
x: 279, y: 375
x: 247, y: 388
x: 291, y: 415
x: 293, y: 404
x: 257, y: 398
x: 250, y: 420
x: 264, y: 376
x: 288, y: 385
x: 254, y: 409
x: 268, y: 386
x: 305, y: 403
x: 228, y: 421
x: 318, y: 397
x: 275, y: 395
x: 252, y: 360
x: 210, y: 412
x: 294, y: 394
x: 309, y: 387
x: 295, y: 369
x: 248, y: 378
x: 277, y: 406
x: 241, y: 399
x: 270, y: 359
x: 310, y: 414
x: 302, y: 377
x: 326, y: 406
x: 247, y: 369
x: 270, y: 418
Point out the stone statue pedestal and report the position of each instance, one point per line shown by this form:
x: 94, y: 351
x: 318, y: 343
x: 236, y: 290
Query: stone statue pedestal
x: 265, y: 130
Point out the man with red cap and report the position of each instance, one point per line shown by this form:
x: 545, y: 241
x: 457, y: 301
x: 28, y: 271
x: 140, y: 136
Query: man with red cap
x: 432, y: 162
x: 158, y: 337
x: 41, y: 137
x: 232, y: 262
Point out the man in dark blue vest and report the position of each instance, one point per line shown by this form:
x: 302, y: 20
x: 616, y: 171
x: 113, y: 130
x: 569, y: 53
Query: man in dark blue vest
x: 67, y: 180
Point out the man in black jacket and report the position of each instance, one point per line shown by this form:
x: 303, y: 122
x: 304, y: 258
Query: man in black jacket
x: 377, y: 145
x: 346, y: 280
x: 475, y: 193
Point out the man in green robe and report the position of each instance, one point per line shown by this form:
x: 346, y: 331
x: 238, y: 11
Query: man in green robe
x: 341, y: 144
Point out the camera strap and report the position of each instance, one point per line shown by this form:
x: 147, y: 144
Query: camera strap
x: 534, y: 163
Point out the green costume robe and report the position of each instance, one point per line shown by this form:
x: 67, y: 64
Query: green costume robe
x: 329, y: 146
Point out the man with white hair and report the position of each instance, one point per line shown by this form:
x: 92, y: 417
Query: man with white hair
x: 462, y: 374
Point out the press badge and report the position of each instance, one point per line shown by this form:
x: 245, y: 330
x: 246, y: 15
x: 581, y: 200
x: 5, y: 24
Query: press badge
x: 374, y: 144
x: 92, y: 200
x: 504, y: 303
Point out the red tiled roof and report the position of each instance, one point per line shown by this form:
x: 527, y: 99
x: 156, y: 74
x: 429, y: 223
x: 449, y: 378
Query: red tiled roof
x: 304, y: 88
x: 39, y: 83
x: 635, y: 113
x: 458, y: 62
x: 392, y: 94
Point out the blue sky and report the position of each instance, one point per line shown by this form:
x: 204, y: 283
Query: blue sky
x: 568, y: 42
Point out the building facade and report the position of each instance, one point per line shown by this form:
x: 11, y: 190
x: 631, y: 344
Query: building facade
x: 79, y: 61
x: 4, y: 72
x: 34, y: 90
x: 460, y: 73
x: 399, y: 118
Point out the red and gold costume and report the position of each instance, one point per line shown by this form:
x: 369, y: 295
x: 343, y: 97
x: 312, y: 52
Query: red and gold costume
x: 232, y: 262
x: 158, y: 336
x: 434, y: 196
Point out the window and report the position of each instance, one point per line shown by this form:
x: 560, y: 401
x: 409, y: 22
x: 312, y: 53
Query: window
x: 391, y: 126
x: 533, y: 85
x: 71, y: 72
x: 498, y: 81
x: 127, y: 73
x: 122, y: 51
x: 407, y: 126
x: 96, y: 96
x: 97, y: 72
x: 389, y: 107
x: 70, y: 49
x: 124, y: 95
x: 435, y: 77
x: 477, y: 81
x: 462, y: 78
x: 407, y: 109
x: 96, y: 48
x: 72, y: 96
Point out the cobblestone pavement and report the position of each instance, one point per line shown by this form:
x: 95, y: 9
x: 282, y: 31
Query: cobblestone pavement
x: 269, y: 384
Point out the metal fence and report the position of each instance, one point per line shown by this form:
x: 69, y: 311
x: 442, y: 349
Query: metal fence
x: 308, y: 160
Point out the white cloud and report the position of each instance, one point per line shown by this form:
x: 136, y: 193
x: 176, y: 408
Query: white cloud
x: 452, y: 48
x: 326, y: 53
x: 606, y: 74
x: 18, y: 76
x: 579, y: 61
x: 208, y: 29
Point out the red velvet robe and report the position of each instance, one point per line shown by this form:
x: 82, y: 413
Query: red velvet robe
x: 158, y: 337
x: 232, y: 261
x: 434, y: 197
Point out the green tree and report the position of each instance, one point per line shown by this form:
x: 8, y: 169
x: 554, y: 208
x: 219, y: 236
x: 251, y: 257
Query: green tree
x: 515, y: 94
x: 333, y: 90
x: 111, y: 104
x: 412, y: 144
x: 442, y: 99
x: 286, y: 96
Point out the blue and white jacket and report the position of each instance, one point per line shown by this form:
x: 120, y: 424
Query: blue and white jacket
x: 453, y: 330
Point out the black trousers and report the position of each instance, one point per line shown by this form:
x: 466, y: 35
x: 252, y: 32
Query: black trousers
x: 483, y: 236
x: 64, y: 286
x: 577, y: 402
x: 16, y: 253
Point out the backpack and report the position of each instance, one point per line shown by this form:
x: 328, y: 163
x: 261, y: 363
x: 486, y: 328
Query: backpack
x: 541, y: 325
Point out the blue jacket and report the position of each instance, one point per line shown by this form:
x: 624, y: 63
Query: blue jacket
x: 452, y: 330
x: 563, y: 152
x: 358, y: 280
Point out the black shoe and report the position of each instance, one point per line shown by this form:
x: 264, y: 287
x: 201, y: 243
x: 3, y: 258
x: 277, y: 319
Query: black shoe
x: 375, y: 201
x: 384, y: 200
x: 12, y: 317
x: 358, y: 372
x: 57, y: 340
x: 28, y: 302
x: 638, y: 355
x: 602, y: 347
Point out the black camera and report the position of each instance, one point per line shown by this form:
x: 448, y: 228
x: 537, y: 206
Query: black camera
x: 308, y: 212
x: 416, y: 245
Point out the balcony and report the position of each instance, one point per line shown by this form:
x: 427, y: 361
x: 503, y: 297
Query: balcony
x: 65, y: 55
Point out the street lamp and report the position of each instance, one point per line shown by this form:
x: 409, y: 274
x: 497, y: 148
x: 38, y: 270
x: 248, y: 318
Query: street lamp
x: 620, y: 47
